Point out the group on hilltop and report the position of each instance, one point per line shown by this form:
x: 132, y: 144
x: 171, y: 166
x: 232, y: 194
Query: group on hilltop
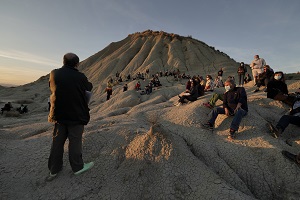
x: 69, y: 111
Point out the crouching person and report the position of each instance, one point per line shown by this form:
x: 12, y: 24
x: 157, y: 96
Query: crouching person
x: 234, y: 104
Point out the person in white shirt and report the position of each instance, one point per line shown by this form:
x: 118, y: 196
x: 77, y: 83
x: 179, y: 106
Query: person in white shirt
x: 257, y: 67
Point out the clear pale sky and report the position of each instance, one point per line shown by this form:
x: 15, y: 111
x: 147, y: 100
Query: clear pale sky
x: 35, y: 34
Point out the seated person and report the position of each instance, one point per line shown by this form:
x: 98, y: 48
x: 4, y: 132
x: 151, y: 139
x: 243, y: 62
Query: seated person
x: 190, y: 96
x: 125, y: 87
x: 264, y: 78
x: 209, y: 86
x: 7, y: 107
x: 285, y: 120
x: 188, y: 85
x: 148, y: 88
x: 234, y: 104
x: 218, y: 83
x: 22, y: 109
x: 138, y: 86
x: 215, y: 97
x: 247, y: 79
x: 277, y: 89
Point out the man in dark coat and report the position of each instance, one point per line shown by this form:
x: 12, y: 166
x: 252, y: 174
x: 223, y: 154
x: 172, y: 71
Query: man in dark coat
x: 234, y: 104
x: 69, y: 112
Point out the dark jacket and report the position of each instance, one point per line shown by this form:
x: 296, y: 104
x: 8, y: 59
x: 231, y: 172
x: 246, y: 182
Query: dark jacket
x: 276, y: 86
x: 68, y: 99
x: 242, y: 70
x: 235, y: 96
x: 194, y: 93
x: 268, y: 74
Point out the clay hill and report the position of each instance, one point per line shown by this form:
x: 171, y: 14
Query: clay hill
x: 143, y: 146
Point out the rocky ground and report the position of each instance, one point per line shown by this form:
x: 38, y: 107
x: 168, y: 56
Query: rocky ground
x: 146, y: 148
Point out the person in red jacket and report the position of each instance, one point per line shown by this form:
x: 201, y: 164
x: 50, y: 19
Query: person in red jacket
x: 69, y: 112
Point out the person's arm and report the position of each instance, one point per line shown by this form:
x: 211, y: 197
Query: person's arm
x: 242, y: 98
x: 225, y: 104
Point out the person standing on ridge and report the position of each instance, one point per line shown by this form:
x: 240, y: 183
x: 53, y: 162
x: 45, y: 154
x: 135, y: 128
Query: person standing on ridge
x: 69, y: 112
x: 257, y: 67
x: 241, y: 74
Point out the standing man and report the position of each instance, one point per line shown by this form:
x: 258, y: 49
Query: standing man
x: 69, y: 112
x: 257, y: 67
x: 234, y: 104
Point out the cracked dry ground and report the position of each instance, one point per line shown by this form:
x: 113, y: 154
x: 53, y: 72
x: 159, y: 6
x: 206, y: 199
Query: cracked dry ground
x: 150, y: 152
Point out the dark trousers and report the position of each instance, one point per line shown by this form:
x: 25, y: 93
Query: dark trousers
x: 241, y: 79
x: 289, y: 100
x: 189, y: 98
x: 285, y: 120
x: 60, y: 134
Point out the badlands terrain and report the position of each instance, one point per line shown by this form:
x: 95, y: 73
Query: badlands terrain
x: 143, y: 146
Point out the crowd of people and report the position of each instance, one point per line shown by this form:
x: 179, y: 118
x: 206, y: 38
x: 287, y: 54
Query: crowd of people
x: 8, y: 107
x: 67, y: 84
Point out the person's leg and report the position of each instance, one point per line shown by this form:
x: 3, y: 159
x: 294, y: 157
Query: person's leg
x: 254, y: 74
x: 214, y: 99
x: 75, y: 146
x: 289, y: 100
x: 237, y: 119
x: 181, y: 100
x: 285, y: 120
x: 215, y: 113
x: 59, y: 137
x: 242, y: 80
x: 190, y: 98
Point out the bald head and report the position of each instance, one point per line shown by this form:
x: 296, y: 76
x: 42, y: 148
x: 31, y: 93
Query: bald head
x: 71, y: 59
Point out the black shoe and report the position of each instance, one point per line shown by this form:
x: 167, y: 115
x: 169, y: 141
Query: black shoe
x: 232, y: 134
x: 290, y: 156
x: 289, y: 142
x: 208, y: 126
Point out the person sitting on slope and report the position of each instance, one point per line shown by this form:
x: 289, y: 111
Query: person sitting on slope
x: 192, y: 95
x: 209, y: 86
x: 277, y: 89
x: 234, y: 104
x: 215, y: 97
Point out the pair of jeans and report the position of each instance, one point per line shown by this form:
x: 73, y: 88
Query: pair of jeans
x: 60, y: 134
x: 285, y: 120
x: 237, y: 118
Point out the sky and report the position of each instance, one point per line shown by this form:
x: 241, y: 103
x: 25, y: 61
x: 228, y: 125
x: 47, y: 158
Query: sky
x: 35, y: 34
